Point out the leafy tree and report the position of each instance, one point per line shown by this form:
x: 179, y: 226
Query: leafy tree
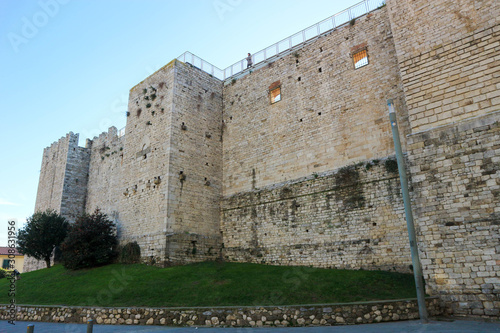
x: 43, y: 232
x: 91, y: 242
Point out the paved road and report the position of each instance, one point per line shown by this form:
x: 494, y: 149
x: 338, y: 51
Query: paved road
x: 448, y: 326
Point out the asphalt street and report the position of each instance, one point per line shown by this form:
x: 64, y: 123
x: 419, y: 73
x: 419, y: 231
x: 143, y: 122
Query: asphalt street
x: 435, y: 326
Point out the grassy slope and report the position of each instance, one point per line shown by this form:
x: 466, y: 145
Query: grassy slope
x: 205, y: 284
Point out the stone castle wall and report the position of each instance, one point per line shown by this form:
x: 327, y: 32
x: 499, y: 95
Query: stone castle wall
x: 76, y: 176
x: 209, y: 168
x: 105, y: 172
x: 330, y: 114
x: 352, y: 218
x: 50, y: 185
x: 171, y: 162
x: 144, y: 178
x: 195, y: 179
x: 456, y: 181
x: 448, y: 55
x: 63, y: 183
x: 160, y: 182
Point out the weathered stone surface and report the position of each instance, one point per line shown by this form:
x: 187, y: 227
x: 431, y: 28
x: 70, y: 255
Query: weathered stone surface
x: 350, y: 218
x: 211, y: 170
x: 243, y: 316
x: 457, y: 206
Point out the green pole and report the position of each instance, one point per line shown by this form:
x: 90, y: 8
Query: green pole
x: 417, y: 268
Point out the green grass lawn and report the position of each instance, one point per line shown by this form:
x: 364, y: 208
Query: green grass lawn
x: 205, y: 284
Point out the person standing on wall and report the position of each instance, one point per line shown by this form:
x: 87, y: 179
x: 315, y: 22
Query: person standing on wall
x: 249, y: 61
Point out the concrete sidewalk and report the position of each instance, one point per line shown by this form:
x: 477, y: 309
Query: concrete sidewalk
x: 445, y: 326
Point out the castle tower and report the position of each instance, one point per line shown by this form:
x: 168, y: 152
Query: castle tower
x: 161, y: 182
x: 63, y: 183
x: 63, y: 178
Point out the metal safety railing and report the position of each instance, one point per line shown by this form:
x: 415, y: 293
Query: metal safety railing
x: 196, y: 61
x: 284, y: 46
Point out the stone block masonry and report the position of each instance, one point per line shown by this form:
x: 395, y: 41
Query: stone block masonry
x: 63, y: 177
x: 456, y: 179
x: 455, y: 81
x: 163, y: 183
x: 218, y: 170
x: 421, y: 26
x: 330, y: 114
x: 105, y: 175
x: 348, y: 219
x: 63, y: 183
x: 448, y: 53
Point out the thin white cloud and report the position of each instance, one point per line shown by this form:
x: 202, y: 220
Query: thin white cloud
x: 7, y: 203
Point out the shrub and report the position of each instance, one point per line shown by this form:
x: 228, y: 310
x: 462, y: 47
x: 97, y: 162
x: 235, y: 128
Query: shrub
x: 91, y: 242
x: 130, y: 253
x: 4, y: 273
x: 43, y: 232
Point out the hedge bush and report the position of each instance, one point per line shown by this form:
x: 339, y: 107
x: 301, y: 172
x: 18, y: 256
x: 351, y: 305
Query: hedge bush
x: 91, y: 242
x: 4, y: 273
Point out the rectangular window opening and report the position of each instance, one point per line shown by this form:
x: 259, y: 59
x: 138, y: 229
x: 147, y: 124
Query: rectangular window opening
x: 360, y: 59
x: 6, y: 264
x: 275, y: 95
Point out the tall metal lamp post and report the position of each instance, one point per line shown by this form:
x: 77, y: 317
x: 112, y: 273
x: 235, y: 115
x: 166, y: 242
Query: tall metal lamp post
x: 417, y: 268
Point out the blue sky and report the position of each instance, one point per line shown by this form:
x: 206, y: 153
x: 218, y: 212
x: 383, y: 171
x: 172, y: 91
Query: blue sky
x: 67, y: 65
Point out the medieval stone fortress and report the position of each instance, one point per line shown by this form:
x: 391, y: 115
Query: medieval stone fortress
x: 292, y: 162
